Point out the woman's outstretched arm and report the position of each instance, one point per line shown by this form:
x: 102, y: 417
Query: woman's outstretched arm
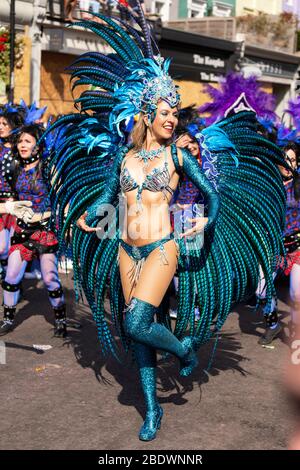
x: 108, y: 196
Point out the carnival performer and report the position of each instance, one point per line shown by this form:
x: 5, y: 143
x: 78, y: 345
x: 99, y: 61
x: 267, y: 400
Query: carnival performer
x: 32, y: 238
x: 187, y: 199
x: 292, y: 230
x: 10, y: 120
x: 291, y: 179
x: 189, y: 125
x: 287, y: 137
x: 12, y: 117
x: 235, y: 93
x: 94, y: 172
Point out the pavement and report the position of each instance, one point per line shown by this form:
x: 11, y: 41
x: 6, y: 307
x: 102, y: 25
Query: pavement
x: 70, y: 397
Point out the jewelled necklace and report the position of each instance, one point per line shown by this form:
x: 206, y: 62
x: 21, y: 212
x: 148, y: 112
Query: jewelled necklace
x: 148, y: 155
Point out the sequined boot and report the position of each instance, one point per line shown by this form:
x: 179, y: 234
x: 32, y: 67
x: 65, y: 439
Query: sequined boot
x: 190, y: 360
x: 151, y: 424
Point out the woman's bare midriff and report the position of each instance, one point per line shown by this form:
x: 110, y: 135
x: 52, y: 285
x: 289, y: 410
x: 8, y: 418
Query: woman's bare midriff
x: 153, y: 222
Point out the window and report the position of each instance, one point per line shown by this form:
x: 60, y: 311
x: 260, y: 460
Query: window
x: 158, y: 8
x: 196, y: 8
x: 221, y: 9
x: 161, y: 8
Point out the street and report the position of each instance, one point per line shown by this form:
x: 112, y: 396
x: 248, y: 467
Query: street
x: 69, y: 397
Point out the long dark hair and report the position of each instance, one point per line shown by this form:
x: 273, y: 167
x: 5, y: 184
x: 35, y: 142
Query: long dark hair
x: 35, y: 131
x: 270, y: 134
x: 15, y: 120
x: 186, y: 116
x: 295, y: 147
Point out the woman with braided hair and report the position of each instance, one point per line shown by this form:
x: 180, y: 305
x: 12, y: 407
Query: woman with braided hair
x: 133, y: 249
x: 32, y: 237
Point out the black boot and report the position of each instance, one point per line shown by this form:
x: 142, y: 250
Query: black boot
x: 3, y: 263
x: 8, y: 323
x: 273, y: 328
x: 60, y: 322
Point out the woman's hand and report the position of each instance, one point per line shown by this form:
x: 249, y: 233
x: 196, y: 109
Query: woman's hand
x: 20, y: 209
x: 183, y: 141
x: 81, y: 223
x: 199, y: 222
x: 40, y: 217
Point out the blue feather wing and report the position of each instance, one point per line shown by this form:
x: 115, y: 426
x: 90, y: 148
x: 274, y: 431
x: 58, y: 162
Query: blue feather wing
x: 248, y: 229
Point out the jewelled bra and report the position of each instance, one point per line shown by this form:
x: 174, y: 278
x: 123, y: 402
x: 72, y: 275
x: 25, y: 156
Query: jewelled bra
x: 157, y: 180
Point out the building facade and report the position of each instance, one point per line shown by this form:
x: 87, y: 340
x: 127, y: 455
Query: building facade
x: 271, y: 7
x: 197, y: 58
x: 277, y: 72
x: 50, y: 46
x: 170, y: 10
x: 166, y: 9
x: 196, y: 61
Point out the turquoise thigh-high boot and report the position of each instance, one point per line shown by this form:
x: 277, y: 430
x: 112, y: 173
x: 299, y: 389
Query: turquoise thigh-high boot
x: 139, y: 325
x: 146, y: 359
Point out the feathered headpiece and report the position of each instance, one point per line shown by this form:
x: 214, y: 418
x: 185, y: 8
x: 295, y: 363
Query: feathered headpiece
x: 147, y: 83
x: 21, y: 115
x: 231, y: 88
x: 286, y: 134
x: 8, y: 108
x: 128, y: 82
x: 293, y: 110
x: 32, y: 112
x: 14, y: 116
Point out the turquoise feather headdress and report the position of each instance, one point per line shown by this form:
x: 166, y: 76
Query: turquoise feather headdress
x: 123, y: 84
x: 148, y: 83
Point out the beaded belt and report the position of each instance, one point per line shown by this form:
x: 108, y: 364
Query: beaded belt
x: 292, y: 242
x: 4, y: 195
x: 34, y: 226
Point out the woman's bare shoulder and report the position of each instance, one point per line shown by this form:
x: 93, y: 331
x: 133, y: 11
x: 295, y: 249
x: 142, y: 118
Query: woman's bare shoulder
x: 178, y: 152
x: 128, y: 155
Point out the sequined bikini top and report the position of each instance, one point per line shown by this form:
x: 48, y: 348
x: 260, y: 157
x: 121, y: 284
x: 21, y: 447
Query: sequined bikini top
x: 157, y: 180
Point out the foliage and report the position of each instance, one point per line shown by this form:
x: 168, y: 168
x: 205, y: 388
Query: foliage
x: 278, y: 30
x: 5, y: 52
x: 262, y: 24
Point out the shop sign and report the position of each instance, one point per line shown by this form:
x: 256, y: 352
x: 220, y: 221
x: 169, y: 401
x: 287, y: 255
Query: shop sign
x: 272, y: 68
x: 209, y: 77
x: 199, y: 66
x: 209, y: 61
x: 72, y: 41
x: 56, y: 39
